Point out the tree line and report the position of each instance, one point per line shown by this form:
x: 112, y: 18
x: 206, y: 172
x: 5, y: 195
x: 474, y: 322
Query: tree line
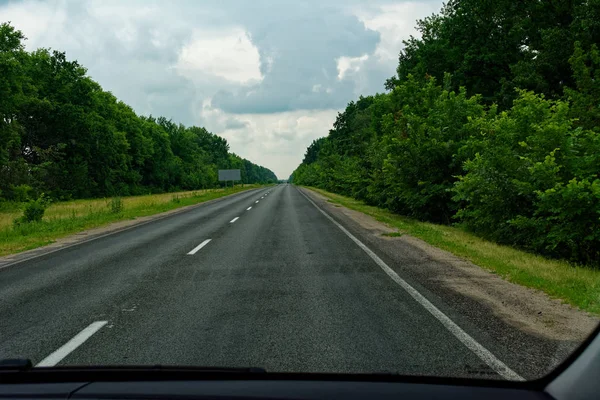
x: 492, y: 122
x: 62, y: 135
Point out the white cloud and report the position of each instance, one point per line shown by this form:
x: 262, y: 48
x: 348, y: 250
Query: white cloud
x: 227, y: 54
x: 276, y: 140
x: 395, y: 23
x: 269, y: 63
x: 349, y: 64
x: 35, y: 19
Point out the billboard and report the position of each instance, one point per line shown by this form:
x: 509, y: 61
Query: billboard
x: 230, y: 175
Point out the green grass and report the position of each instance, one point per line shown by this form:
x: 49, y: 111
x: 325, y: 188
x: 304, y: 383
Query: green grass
x: 576, y: 285
x: 65, y: 218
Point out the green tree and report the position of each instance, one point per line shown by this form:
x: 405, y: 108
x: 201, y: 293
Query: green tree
x: 62, y: 135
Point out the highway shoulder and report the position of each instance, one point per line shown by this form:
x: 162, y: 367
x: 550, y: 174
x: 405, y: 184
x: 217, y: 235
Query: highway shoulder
x: 513, y: 321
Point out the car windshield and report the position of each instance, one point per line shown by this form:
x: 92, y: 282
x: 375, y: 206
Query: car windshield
x: 349, y: 187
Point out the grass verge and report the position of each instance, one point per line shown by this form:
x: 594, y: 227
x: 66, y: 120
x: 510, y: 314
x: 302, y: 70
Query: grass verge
x: 65, y: 218
x: 576, y: 285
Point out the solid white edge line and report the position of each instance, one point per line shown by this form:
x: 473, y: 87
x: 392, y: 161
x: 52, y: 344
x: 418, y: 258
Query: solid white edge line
x: 249, y: 208
x: 71, y: 345
x: 484, y: 354
x: 233, y: 220
x: 201, y: 245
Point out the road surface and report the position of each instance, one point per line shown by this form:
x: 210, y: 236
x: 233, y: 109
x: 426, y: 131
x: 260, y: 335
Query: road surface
x: 263, y: 278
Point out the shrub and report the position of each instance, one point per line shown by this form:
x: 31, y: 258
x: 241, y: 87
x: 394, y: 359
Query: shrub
x: 116, y: 205
x: 534, y: 183
x: 34, y: 210
x: 566, y: 222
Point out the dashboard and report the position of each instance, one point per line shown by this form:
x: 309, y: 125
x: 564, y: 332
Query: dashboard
x: 260, y: 389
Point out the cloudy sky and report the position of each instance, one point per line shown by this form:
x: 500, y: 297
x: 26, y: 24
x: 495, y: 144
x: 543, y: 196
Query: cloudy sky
x: 269, y: 76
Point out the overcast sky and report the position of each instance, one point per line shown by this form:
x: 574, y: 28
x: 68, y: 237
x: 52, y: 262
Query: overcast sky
x: 269, y: 76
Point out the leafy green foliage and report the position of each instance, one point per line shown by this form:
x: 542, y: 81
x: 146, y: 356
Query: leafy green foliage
x: 491, y: 47
x: 534, y: 182
x: 20, y: 193
x: 61, y: 134
x: 584, y: 97
x: 491, y: 122
x: 34, y: 210
x: 116, y: 205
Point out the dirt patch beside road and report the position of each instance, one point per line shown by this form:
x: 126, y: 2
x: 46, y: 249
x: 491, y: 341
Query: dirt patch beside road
x: 524, y: 308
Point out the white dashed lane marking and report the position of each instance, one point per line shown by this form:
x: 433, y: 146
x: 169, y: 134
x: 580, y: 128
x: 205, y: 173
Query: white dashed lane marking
x: 71, y: 345
x: 201, y: 245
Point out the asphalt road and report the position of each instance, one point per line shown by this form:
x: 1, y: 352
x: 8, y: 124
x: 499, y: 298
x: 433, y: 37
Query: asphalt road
x: 278, y: 286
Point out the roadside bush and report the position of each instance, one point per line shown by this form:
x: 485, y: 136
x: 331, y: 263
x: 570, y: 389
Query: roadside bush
x: 565, y: 223
x: 422, y: 146
x: 534, y: 182
x: 34, y: 210
x: 116, y: 205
